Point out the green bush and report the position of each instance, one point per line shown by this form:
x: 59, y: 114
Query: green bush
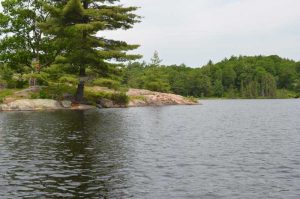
x: 120, y: 98
x: 192, y: 99
x: 69, y: 79
x: 3, y: 83
x: 21, y: 84
x: 284, y: 94
x: 5, y: 93
x: 54, y: 91
x: 93, y: 97
x: 109, y: 83
x: 158, y: 86
x: 34, y: 96
x: 43, y: 94
x: 11, y: 84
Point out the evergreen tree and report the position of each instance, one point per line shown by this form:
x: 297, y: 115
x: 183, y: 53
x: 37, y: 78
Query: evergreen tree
x: 155, y: 60
x: 218, y: 89
x: 268, y: 86
x: 228, y: 76
x: 210, y: 63
x: 298, y: 68
x: 75, y: 26
x: 156, y: 79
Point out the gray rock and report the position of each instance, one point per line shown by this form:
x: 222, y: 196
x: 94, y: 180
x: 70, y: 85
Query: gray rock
x: 99, y: 106
x: 31, y: 105
x: 41, y: 104
x: 66, y: 104
x: 105, y: 103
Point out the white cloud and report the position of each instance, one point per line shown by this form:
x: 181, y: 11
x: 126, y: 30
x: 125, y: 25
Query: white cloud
x: 200, y: 30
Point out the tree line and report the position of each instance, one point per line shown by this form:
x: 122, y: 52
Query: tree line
x: 236, y: 77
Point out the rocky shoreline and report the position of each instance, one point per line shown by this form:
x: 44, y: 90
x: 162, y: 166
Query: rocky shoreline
x: 137, y: 98
x: 41, y: 104
x: 140, y: 97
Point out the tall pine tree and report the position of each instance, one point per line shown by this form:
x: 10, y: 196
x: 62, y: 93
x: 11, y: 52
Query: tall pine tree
x: 75, y: 26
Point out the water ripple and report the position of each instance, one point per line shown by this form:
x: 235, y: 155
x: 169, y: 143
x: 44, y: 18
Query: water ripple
x: 223, y: 149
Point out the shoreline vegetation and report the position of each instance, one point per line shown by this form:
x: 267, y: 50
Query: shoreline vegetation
x: 153, y: 84
x: 246, y: 77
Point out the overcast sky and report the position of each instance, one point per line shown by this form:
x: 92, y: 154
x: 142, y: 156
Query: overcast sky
x: 195, y: 31
x: 200, y: 30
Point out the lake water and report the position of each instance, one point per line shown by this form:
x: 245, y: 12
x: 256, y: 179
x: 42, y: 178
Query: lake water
x: 221, y: 149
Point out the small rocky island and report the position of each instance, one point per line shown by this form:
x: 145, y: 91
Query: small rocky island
x: 20, y: 100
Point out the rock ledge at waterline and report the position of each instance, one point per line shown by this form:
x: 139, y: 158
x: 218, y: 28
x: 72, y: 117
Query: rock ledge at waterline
x: 138, y: 98
x: 41, y: 104
x: 141, y: 97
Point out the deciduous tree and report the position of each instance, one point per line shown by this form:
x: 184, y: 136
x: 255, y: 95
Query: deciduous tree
x: 21, y: 38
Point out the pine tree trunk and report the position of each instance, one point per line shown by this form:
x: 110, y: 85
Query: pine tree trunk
x: 79, y: 97
x: 80, y: 92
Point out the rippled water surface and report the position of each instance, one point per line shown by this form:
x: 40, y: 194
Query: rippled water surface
x: 222, y: 149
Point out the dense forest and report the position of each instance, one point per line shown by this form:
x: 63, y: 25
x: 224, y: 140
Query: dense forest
x: 55, y: 44
x: 236, y: 77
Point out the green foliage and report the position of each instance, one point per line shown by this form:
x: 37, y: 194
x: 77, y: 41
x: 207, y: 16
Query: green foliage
x: 21, y: 39
x: 42, y: 78
x: 40, y: 95
x: 69, y: 79
x: 231, y: 93
x: 237, y: 77
x: 5, y: 93
x: 6, y: 73
x: 54, y: 91
x: 74, y: 25
x: 218, y: 89
x: 285, y: 94
x: 228, y: 76
x: 117, y: 97
x: 9, y: 79
x: 155, y: 60
x: 199, y: 84
x: 120, y: 98
x: 109, y: 83
x: 192, y: 99
x: 93, y: 97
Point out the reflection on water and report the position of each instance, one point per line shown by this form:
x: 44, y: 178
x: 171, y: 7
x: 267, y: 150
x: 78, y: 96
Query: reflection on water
x: 223, y: 149
x: 61, y: 154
